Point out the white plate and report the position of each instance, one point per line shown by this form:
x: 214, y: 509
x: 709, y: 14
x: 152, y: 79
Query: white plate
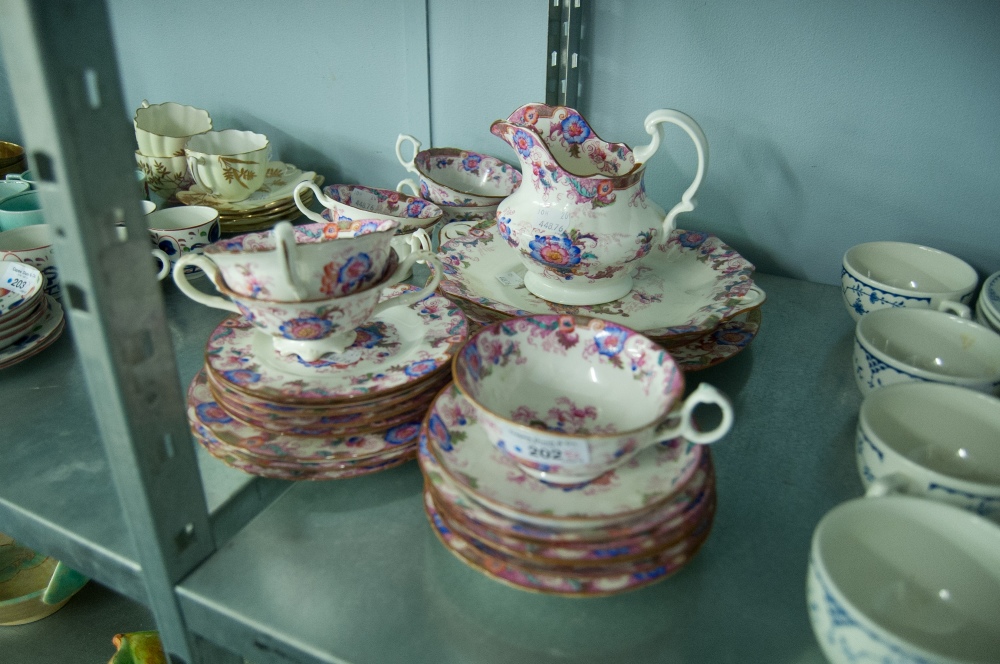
x: 686, y: 286
x: 41, y: 335
x: 279, y: 183
x: 14, y: 301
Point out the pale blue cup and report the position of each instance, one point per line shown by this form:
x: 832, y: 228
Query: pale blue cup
x: 10, y: 188
x: 24, y: 209
x: 26, y: 176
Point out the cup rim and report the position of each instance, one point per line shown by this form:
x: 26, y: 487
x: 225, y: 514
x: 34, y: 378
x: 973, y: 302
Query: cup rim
x: 21, y: 194
x: 218, y: 247
x: 229, y: 132
x: 849, y: 261
x: 161, y: 105
x: 42, y: 228
x: 578, y: 321
x: 875, y: 401
x: 455, y: 152
x: 163, y: 229
x: 431, y: 205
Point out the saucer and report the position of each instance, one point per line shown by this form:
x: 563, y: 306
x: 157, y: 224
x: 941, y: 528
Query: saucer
x: 39, y: 337
x: 683, y: 289
x: 279, y: 183
x: 410, y: 347
x: 262, y: 445
x: 22, y: 286
x: 470, y: 461
x: 722, y: 343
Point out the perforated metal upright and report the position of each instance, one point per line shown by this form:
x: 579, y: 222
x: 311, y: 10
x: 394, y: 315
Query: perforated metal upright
x: 64, y: 75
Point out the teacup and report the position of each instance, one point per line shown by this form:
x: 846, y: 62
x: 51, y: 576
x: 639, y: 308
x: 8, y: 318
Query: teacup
x: 19, y: 210
x: 32, y: 245
x: 10, y: 188
x: 164, y: 176
x: 229, y: 164
x: 570, y: 398
x: 183, y: 230
x: 988, y: 303
x: 933, y: 441
x: 901, y: 579
x: 877, y: 275
x: 158, y: 254
x: 24, y: 176
x: 308, y: 262
x: 348, y: 202
x: 163, y: 130
x: 449, y: 176
x: 32, y: 585
x: 905, y: 345
x: 11, y: 158
x: 312, y: 328
x: 408, y: 237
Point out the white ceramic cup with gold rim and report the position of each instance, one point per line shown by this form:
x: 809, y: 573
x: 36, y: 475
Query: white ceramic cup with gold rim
x: 229, y: 164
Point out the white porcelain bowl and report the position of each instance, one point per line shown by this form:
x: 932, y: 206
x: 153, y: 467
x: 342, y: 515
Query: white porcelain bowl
x: 901, y: 579
x: 932, y: 441
x: 877, y: 275
x: 163, y: 130
x: 904, y: 345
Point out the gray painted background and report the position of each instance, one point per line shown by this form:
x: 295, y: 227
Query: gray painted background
x: 829, y: 123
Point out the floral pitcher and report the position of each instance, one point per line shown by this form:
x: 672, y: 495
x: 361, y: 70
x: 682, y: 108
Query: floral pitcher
x: 585, y: 218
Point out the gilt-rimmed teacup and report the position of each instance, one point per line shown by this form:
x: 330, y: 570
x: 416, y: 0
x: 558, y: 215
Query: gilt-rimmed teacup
x: 313, y: 328
x: 933, y: 441
x: 906, y: 345
x: 164, y: 176
x: 348, y: 202
x: 879, y: 275
x: 229, y: 164
x: 449, y: 176
x: 163, y: 130
x: 183, y: 230
x: 308, y: 262
x: 902, y: 579
x: 32, y: 245
x: 570, y: 398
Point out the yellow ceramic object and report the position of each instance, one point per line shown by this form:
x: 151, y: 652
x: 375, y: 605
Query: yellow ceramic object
x: 138, y: 648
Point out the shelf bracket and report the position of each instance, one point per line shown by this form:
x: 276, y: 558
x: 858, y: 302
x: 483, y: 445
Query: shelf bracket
x: 562, y: 78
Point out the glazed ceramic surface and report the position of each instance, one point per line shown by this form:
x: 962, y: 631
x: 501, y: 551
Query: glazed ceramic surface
x: 417, y: 340
x: 164, y: 175
x: 707, y: 282
x: 988, y: 303
x: 934, y: 441
x: 569, y: 398
x: 20, y: 285
x: 32, y: 586
x: 723, y: 343
x: 466, y: 456
x: 163, y: 130
x: 350, y: 202
x: 32, y: 245
x: 229, y: 164
x: 903, y: 345
x: 10, y: 188
x: 451, y: 213
x: 183, y: 231
x: 585, y: 218
x: 19, y: 210
x: 37, y: 338
x: 879, y: 275
x: 449, y: 176
x: 280, y: 180
x: 900, y: 579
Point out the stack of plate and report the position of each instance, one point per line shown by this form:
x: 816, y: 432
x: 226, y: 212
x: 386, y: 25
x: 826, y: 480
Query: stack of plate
x: 692, y: 294
x: 30, y: 320
x: 629, y: 528
x: 346, y: 414
x: 267, y: 206
x: 988, y: 304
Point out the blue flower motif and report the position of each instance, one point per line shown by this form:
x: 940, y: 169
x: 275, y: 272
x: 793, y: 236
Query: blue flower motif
x: 212, y: 412
x: 368, y: 226
x: 420, y: 368
x: 611, y: 340
x: 169, y: 247
x: 306, y: 327
x: 575, y: 129
x: 471, y: 162
x: 692, y: 239
x: 214, y: 232
x: 558, y: 252
x: 354, y: 272
x: 402, y: 434
x: 436, y: 427
x: 241, y: 376
x: 523, y: 142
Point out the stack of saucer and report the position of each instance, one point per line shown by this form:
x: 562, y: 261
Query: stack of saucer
x: 269, y: 204
x: 988, y: 304
x: 346, y: 414
x: 632, y: 527
x: 30, y: 320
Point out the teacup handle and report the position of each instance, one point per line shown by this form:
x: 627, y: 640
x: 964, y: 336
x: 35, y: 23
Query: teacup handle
x: 754, y: 298
x: 886, y: 485
x: 161, y: 256
x: 654, y: 127
x: 320, y: 196
x: 211, y: 271
x: 414, y: 189
x: 284, y: 238
x: 419, y: 240
x: 957, y: 308
x: 703, y: 394
x: 408, y: 165
x: 408, y: 298
x: 63, y: 583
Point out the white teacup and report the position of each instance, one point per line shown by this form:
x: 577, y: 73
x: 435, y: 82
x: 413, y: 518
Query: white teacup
x: 163, y: 130
x: 32, y: 245
x: 313, y: 328
x: 158, y: 254
x: 934, y: 441
x: 877, y: 275
x: 905, y: 345
x: 901, y: 579
x: 229, y: 164
x: 183, y: 230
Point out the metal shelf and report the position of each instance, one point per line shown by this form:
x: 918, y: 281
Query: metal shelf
x: 351, y: 572
x: 56, y: 490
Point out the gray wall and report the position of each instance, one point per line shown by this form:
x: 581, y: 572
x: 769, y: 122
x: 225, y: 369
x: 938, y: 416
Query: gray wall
x: 829, y: 123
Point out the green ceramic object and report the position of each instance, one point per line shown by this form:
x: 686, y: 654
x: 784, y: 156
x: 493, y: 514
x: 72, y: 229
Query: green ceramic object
x: 138, y: 648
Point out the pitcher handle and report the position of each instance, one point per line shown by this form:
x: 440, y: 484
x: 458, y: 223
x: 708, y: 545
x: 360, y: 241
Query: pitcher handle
x: 284, y: 240
x: 408, y: 165
x: 408, y: 182
x: 211, y: 271
x: 642, y: 154
x: 406, y: 299
x: 703, y: 394
x: 320, y: 196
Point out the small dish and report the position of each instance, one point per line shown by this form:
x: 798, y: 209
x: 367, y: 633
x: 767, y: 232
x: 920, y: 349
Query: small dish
x: 280, y: 180
x: 41, y: 335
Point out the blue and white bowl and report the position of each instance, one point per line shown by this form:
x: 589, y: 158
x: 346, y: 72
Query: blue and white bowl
x: 880, y: 275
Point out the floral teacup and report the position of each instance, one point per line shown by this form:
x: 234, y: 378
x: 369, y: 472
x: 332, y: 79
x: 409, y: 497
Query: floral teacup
x: 313, y: 328
x: 349, y: 202
x: 570, y: 398
x: 449, y: 176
